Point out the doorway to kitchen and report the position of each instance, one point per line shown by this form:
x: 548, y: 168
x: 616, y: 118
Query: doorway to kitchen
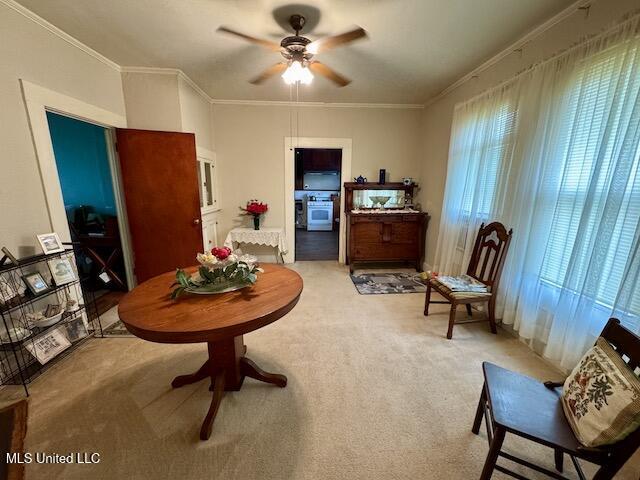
x: 81, y: 151
x: 317, y: 203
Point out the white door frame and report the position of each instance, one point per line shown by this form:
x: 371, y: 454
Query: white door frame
x: 290, y: 144
x: 39, y: 101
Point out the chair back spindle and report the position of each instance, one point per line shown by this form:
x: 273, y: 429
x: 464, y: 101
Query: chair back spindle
x: 489, y: 253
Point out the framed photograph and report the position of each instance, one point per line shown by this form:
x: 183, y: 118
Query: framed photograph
x: 62, y: 271
x: 76, y: 329
x: 47, y: 346
x: 50, y: 243
x: 7, y: 255
x: 36, y: 283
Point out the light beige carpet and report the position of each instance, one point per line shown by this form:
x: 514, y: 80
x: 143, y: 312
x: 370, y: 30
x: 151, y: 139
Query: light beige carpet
x: 375, y: 392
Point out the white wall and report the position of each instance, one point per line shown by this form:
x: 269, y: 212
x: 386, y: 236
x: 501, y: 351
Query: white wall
x: 161, y: 99
x: 33, y: 53
x: 152, y: 101
x: 437, y: 117
x: 196, y: 114
x: 249, y: 143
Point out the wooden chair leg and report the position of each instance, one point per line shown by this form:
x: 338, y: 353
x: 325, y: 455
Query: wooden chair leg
x: 479, y: 413
x: 609, y: 471
x: 427, y: 299
x: 492, y: 456
x: 558, y: 457
x: 492, y: 314
x: 468, y: 305
x: 452, y: 320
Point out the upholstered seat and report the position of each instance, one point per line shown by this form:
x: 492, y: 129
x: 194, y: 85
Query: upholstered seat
x: 445, y: 291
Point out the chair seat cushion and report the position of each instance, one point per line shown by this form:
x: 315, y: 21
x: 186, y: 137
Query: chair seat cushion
x: 525, y: 407
x: 447, y: 292
x: 602, y: 397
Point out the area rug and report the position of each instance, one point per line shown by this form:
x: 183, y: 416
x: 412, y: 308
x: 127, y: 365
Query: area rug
x: 116, y: 329
x: 381, y: 283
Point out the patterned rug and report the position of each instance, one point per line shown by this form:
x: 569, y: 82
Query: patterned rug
x: 116, y: 329
x: 381, y: 283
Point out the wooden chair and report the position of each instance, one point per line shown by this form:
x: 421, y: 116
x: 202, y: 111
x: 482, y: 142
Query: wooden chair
x: 520, y: 405
x: 485, y: 265
x: 13, y: 429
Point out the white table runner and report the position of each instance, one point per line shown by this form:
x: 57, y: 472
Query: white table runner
x: 269, y: 236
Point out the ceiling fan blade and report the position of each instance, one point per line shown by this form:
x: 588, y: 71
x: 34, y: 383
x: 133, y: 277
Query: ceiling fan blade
x: 258, y: 41
x: 330, y: 73
x: 328, y: 43
x: 268, y: 73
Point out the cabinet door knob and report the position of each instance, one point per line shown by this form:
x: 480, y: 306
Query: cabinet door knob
x: 196, y: 221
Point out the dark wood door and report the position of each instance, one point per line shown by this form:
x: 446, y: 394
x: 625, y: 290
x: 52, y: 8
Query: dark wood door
x: 160, y: 180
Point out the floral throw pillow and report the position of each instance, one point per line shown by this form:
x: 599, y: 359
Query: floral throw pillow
x: 601, y: 397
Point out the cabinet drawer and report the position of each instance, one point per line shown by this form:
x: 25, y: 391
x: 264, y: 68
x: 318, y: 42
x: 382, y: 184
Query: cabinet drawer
x: 387, y: 251
x: 405, y: 233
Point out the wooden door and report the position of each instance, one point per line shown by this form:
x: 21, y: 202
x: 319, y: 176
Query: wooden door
x: 160, y: 181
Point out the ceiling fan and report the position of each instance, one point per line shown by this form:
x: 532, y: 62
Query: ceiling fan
x: 298, y: 53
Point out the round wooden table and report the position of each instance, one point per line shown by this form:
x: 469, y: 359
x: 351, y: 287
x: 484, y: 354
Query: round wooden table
x: 218, y: 320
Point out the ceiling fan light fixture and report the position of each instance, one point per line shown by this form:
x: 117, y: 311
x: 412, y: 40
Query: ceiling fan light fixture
x: 296, y: 72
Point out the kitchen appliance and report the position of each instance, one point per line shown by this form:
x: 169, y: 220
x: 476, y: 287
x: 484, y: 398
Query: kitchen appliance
x: 319, y: 215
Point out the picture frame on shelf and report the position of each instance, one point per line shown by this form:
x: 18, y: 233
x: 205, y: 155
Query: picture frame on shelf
x: 36, y: 283
x: 76, y: 329
x: 48, y: 345
x: 7, y: 255
x: 50, y: 243
x: 62, y: 271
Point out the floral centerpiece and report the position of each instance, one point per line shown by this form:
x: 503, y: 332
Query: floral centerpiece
x: 220, y: 271
x: 255, y: 208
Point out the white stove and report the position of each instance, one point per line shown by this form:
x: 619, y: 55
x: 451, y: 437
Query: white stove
x: 319, y: 215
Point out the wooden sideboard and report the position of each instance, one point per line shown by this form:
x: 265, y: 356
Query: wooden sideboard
x: 392, y: 235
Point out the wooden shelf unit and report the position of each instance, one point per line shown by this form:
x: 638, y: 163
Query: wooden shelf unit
x: 394, y: 235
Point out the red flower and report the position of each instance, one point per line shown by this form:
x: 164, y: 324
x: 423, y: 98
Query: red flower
x: 255, y: 208
x: 221, y: 252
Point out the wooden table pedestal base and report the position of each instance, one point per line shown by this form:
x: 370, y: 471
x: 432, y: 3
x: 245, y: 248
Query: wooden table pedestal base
x: 227, y: 366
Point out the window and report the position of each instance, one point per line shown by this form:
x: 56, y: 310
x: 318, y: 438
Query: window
x: 486, y: 141
x: 599, y: 191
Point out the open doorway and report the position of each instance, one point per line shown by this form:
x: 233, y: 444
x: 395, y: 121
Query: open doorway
x: 317, y: 203
x: 81, y: 154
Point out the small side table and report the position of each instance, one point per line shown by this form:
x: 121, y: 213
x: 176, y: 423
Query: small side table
x: 271, y: 237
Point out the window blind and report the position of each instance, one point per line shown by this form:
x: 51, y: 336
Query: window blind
x: 595, y: 147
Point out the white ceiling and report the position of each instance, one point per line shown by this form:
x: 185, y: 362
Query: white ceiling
x: 416, y: 47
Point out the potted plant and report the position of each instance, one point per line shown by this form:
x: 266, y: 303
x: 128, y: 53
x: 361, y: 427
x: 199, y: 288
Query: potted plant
x: 255, y: 209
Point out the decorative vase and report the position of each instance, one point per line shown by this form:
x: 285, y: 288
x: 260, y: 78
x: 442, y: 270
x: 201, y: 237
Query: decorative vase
x: 256, y: 222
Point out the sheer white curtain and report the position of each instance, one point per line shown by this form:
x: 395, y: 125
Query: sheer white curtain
x: 555, y: 154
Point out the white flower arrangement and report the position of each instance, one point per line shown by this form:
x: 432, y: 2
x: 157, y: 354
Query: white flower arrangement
x: 221, y: 271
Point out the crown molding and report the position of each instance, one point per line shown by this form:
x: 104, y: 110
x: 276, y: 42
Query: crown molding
x: 12, y: 4
x: 263, y: 103
x: 272, y: 103
x: 517, y: 45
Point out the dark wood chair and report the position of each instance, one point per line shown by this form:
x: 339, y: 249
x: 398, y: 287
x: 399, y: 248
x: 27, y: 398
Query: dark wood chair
x: 520, y: 405
x: 485, y: 265
x: 13, y: 428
